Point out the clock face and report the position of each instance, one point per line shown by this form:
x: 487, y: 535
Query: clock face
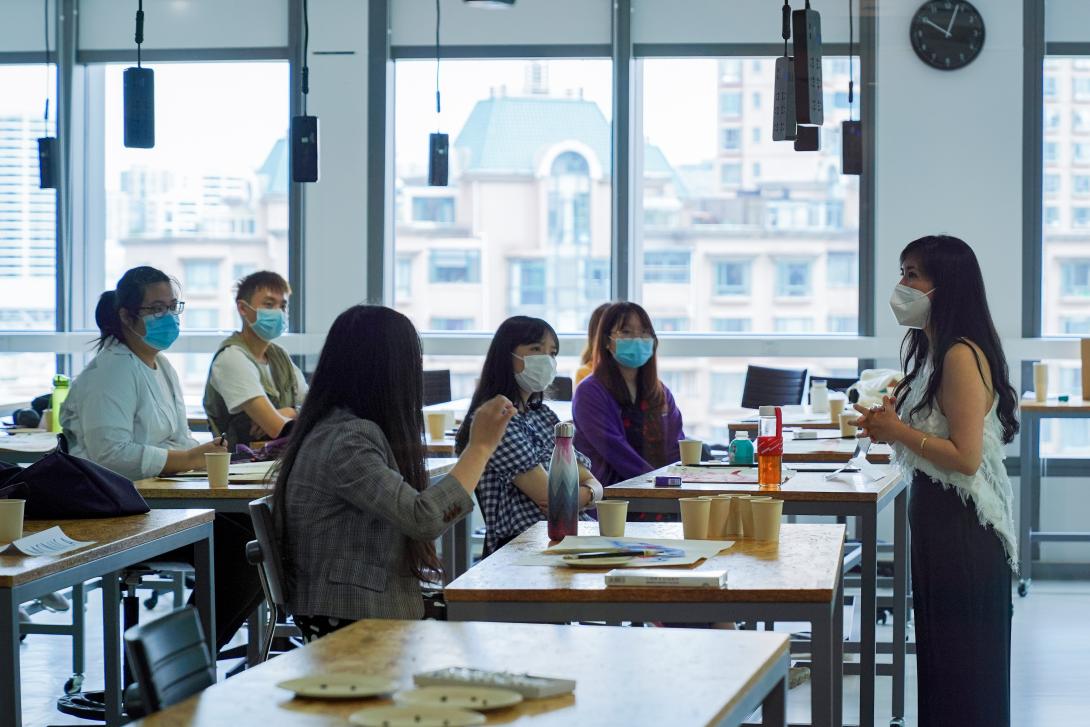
x: 947, y: 34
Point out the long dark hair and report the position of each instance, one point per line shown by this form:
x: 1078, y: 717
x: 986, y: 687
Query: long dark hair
x: 371, y: 364
x: 587, y: 357
x: 498, y: 374
x: 959, y: 312
x: 128, y: 296
x: 650, y: 397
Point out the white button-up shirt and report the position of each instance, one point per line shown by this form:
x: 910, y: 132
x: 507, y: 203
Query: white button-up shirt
x: 119, y: 415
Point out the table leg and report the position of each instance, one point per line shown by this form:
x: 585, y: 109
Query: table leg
x: 821, y: 669
x: 462, y: 540
x: 838, y: 652
x: 774, y: 708
x: 449, y: 559
x: 1028, y: 477
x: 79, y: 606
x: 11, y: 709
x: 900, y: 599
x: 204, y: 590
x: 111, y: 645
x: 868, y: 600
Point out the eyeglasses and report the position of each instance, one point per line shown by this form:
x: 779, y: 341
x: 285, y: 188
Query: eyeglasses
x: 159, y: 309
x: 625, y: 333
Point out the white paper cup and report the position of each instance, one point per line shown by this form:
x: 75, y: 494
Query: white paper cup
x: 218, y: 466
x: 717, y: 518
x: 1040, y: 381
x: 847, y: 423
x: 611, y: 518
x: 11, y: 520
x: 690, y: 450
x: 836, y: 405
x: 694, y: 517
x: 747, y: 514
x: 437, y: 425
x: 766, y: 518
x: 733, y: 528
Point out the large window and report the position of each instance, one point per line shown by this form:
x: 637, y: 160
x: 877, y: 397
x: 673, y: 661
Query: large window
x: 524, y: 224
x: 27, y: 213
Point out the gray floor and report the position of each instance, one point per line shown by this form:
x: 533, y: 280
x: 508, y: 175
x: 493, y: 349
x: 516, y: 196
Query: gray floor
x: 1051, y: 644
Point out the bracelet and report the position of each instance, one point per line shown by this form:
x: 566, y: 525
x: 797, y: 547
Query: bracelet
x: 923, y: 442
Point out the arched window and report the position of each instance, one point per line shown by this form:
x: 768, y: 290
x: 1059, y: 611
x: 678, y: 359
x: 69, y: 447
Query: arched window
x: 569, y: 200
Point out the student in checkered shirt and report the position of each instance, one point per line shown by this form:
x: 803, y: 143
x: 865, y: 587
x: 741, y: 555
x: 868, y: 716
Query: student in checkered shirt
x: 514, y: 490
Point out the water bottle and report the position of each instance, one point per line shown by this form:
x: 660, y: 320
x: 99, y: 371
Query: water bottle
x: 741, y: 449
x: 770, y: 447
x: 563, y: 515
x: 819, y: 396
x: 60, y: 393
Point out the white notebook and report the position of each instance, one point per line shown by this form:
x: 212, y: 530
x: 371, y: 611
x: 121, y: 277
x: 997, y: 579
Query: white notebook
x: 667, y: 577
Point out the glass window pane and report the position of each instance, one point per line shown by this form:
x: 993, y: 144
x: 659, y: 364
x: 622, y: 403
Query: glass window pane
x: 27, y: 213
x: 766, y: 229
x: 524, y: 225
x: 24, y: 376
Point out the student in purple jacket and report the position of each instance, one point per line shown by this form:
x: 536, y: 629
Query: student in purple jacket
x: 626, y: 420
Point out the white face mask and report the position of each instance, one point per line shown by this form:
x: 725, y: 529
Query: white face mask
x: 911, y: 307
x: 537, y: 373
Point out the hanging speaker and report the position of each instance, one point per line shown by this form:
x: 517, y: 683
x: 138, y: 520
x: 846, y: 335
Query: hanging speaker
x: 47, y: 162
x: 438, y: 152
x: 806, y: 32
x: 304, y: 148
x: 808, y: 138
x: 851, y: 147
x: 783, y: 102
x: 139, y: 108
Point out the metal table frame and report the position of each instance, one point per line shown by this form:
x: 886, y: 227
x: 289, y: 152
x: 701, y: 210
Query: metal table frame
x: 866, y: 515
x: 109, y: 569
x: 1029, y: 517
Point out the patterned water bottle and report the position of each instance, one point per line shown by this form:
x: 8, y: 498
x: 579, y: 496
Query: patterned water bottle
x: 563, y: 484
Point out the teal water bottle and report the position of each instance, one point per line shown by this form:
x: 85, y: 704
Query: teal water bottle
x: 741, y: 449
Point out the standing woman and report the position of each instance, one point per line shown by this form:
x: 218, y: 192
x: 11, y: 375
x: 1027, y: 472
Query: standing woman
x: 948, y: 421
x: 626, y: 420
x: 514, y: 490
x: 586, y: 359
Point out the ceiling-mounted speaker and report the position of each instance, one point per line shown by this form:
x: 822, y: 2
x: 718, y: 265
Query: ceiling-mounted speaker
x: 806, y: 34
x: 47, y: 162
x: 808, y: 138
x: 783, y: 101
x: 851, y: 147
x: 304, y: 148
x: 139, y: 91
x: 438, y: 158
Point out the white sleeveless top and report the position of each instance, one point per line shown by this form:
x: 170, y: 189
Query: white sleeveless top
x: 989, y: 487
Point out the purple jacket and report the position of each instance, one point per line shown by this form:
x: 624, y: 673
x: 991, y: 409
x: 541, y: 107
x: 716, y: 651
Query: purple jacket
x: 599, y: 433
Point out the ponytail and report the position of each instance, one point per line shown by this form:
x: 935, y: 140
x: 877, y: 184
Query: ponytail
x: 128, y: 295
x: 108, y: 319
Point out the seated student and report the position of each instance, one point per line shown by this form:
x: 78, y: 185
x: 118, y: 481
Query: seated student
x: 514, y: 490
x: 626, y: 420
x: 356, y: 517
x: 125, y: 411
x: 254, y: 389
x: 586, y: 359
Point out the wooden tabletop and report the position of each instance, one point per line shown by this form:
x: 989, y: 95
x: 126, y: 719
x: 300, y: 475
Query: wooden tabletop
x: 111, y: 535
x: 802, y: 486
x: 674, y: 677
x: 830, y: 450
x: 793, y: 416
x: 441, y: 447
x: 1074, y: 406
x: 802, y: 567
x: 36, y: 441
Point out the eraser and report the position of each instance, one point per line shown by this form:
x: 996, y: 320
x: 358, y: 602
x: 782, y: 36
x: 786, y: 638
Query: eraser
x: 667, y: 481
x: 806, y: 434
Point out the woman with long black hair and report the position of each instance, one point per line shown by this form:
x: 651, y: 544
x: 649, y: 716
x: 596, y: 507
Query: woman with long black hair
x: 948, y: 421
x: 514, y: 490
x: 356, y: 518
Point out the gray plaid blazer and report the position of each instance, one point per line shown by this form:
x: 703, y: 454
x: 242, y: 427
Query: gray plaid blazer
x: 349, y: 519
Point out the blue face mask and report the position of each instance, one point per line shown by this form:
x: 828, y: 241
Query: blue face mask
x: 161, y: 332
x: 634, y: 352
x: 269, y: 324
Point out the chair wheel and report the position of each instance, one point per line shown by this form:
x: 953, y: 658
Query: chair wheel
x: 73, y: 685
x: 1023, y: 588
x: 152, y: 601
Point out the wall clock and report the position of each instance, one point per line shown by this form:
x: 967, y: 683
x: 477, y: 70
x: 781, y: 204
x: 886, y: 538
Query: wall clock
x: 947, y: 34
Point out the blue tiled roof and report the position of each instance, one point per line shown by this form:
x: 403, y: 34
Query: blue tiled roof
x: 275, y: 168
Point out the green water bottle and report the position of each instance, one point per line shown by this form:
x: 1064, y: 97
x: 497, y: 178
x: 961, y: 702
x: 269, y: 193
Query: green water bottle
x: 60, y: 393
x: 741, y: 449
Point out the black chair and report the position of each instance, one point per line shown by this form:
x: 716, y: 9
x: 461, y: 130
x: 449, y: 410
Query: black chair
x: 265, y: 554
x: 169, y: 658
x: 560, y: 389
x: 772, y: 387
x: 436, y: 387
x: 840, y: 383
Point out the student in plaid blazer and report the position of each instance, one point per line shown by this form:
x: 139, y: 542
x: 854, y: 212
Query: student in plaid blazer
x: 356, y: 517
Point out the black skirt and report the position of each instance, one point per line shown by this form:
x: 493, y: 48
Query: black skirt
x: 961, y: 589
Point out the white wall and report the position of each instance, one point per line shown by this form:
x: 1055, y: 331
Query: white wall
x: 21, y: 27
x: 110, y: 24
x: 529, y: 22
x: 730, y: 21
x: 1067, y: 21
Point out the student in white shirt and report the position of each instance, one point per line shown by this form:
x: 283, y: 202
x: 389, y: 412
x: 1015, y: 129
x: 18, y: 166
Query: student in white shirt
x: 254, y: 389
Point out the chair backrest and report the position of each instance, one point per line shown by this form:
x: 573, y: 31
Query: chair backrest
x: 271, y: 565
x: 560, y: 389
x: 772, y: 387
x: 169, y: 658
x: 436, y: 387
x: 839, y: 383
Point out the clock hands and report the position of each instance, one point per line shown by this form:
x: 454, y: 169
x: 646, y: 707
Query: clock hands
x: 952, y: 17
x: 939, y: 28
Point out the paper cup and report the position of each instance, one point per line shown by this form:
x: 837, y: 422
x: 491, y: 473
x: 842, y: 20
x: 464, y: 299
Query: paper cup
x: 734, y: 516
x: 717, y: 518
x: 437, y: 425
x: 847, y: 423
x: 218, y: 466
x: 766, y: 518
x: 690, y: 450
x: 1040, y: 381
x: 11, y: 520
x: 611, y: 518
x: 694, y: 517
x: 836, y: 405
x: 747, y: 514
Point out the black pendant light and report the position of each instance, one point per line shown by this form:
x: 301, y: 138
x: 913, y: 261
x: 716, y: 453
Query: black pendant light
x: 47, y: 145
x: 438, y: 143
x: 304, y: 129
x: 139, y: 85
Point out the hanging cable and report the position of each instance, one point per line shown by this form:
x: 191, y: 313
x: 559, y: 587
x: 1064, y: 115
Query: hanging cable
x: 785, y: 28
x: 306, y: 45
x: 45, y: 18
x: 851, y: 60
x: 139, y: 29
x: 438, y: 106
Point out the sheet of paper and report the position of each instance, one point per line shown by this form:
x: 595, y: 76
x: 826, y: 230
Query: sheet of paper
x: 48, y: 542
x: 675, y: 552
